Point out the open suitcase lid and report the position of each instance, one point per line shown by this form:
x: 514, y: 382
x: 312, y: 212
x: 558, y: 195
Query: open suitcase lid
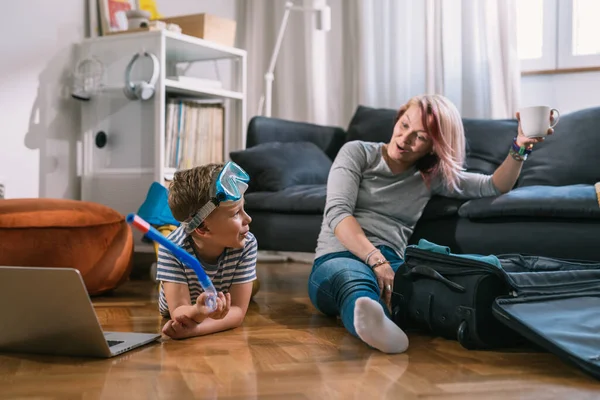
x: 568, y: 326
x: 558, y: 309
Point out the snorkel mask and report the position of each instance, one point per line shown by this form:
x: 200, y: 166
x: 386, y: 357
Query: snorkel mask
x: 231, y: 184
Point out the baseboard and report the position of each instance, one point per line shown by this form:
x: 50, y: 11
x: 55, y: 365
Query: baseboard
x: 266, y: 256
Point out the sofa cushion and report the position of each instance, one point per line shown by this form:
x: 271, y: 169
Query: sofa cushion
x: 569, y: 156
x: 573, y: 201
x: 266, y: 129
x: 371, y: 124
x: 548, y: 237
x: 309, y: 199
x: 275, y: 166
x: 488, y: 142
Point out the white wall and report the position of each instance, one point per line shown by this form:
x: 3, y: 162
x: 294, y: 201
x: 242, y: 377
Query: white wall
x: 566, y: 92
x: 37, y: 143
x: 220, y: 8
x: 39, y: 118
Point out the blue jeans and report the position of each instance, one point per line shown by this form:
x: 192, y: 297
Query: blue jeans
x: 338, y: 279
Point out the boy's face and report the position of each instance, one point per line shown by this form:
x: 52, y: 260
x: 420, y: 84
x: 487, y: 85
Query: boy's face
x: 227, y: 225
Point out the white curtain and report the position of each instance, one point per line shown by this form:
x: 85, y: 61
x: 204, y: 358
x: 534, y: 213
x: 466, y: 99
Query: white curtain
x: 379, y: 53
x: 390, y: 51
x: 294, y: 96
x: 315, y: 71
x: 472, y: 55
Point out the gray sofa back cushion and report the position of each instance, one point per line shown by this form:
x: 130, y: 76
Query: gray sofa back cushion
x: 570, y: 156
x: 264, y: 130
x: 488, y: 141
x: 274, y: 166
x: 371, y: 124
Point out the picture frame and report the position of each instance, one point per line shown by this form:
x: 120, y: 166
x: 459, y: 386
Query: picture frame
x: 112, y: 15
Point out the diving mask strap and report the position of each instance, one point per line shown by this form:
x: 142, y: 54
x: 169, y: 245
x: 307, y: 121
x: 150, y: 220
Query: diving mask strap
x: 200, y: 216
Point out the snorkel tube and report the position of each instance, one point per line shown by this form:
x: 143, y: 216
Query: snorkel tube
x: 181, y: 254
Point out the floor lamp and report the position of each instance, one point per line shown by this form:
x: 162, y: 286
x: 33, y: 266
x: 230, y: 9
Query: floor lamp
x: 323, y: 14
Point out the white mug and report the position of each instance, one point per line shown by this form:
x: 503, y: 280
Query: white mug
x: 535, y: 121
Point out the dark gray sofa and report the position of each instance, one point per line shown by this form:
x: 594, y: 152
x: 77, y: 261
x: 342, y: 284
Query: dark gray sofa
x: 552, y: 211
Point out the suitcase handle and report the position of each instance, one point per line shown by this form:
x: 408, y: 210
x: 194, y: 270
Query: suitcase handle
x: 433, y: 274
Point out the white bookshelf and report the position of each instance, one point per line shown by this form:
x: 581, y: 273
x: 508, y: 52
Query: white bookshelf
x: 120, y: 173
x: 184, y: 89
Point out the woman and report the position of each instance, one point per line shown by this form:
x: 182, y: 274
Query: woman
x: 375, y: 195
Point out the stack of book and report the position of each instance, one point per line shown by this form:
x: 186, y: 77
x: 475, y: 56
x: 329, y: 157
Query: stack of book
x: 194, y: 133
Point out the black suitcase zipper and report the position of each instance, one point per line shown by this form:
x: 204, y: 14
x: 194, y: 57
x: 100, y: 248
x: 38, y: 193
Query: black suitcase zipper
x: 448, y: 259
x: 542, y: 290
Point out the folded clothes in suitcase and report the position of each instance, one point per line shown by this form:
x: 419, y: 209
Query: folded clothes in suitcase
x: 492, y: 302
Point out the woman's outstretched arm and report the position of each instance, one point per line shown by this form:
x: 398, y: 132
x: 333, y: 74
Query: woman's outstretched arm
x: 506, y: 175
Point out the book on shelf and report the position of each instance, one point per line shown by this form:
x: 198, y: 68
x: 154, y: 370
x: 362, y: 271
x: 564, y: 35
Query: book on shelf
x: 194, y: 132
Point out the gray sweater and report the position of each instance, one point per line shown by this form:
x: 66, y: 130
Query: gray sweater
x: 386, y: 206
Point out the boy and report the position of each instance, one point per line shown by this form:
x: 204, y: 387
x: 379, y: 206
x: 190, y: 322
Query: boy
x: 209, y: 203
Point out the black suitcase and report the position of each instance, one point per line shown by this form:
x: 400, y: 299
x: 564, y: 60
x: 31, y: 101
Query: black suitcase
x: 505, y: 301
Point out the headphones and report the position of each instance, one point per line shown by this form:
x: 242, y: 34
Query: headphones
x: 141, y: 90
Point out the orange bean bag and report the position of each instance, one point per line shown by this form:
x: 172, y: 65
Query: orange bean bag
x: 90, y: 237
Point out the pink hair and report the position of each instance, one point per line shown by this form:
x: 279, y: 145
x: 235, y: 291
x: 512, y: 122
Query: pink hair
x: 443, y: 123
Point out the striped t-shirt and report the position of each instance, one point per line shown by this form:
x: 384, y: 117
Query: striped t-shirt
x: 234, y: 266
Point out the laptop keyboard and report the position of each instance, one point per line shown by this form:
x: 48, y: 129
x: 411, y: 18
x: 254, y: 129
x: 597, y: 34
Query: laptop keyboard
x: 112, y: 343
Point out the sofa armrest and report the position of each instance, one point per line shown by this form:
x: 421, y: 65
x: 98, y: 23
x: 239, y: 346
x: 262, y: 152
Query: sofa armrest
x: 572, y: 201
x: 264, y: 129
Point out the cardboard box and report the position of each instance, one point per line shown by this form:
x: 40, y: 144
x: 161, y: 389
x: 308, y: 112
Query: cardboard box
x: 207, y: 27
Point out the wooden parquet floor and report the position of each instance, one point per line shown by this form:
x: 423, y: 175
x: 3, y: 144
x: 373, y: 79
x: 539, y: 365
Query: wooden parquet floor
x: 285, y: 350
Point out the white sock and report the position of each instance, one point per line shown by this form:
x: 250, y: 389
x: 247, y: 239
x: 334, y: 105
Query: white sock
x: 376, y: 329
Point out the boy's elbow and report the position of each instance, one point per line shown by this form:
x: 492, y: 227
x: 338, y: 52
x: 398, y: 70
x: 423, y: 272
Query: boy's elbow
x: 238, y: 323
x: 238, y: 320
x: 235, y: 323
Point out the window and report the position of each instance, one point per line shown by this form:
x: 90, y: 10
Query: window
x: 586, y: 30
x: 558, y: 34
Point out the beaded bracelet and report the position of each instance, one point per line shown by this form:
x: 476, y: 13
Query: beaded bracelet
x: 519, y: 153
x: 370, y: 254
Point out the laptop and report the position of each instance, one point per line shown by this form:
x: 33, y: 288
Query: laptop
x: 49, y: 311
